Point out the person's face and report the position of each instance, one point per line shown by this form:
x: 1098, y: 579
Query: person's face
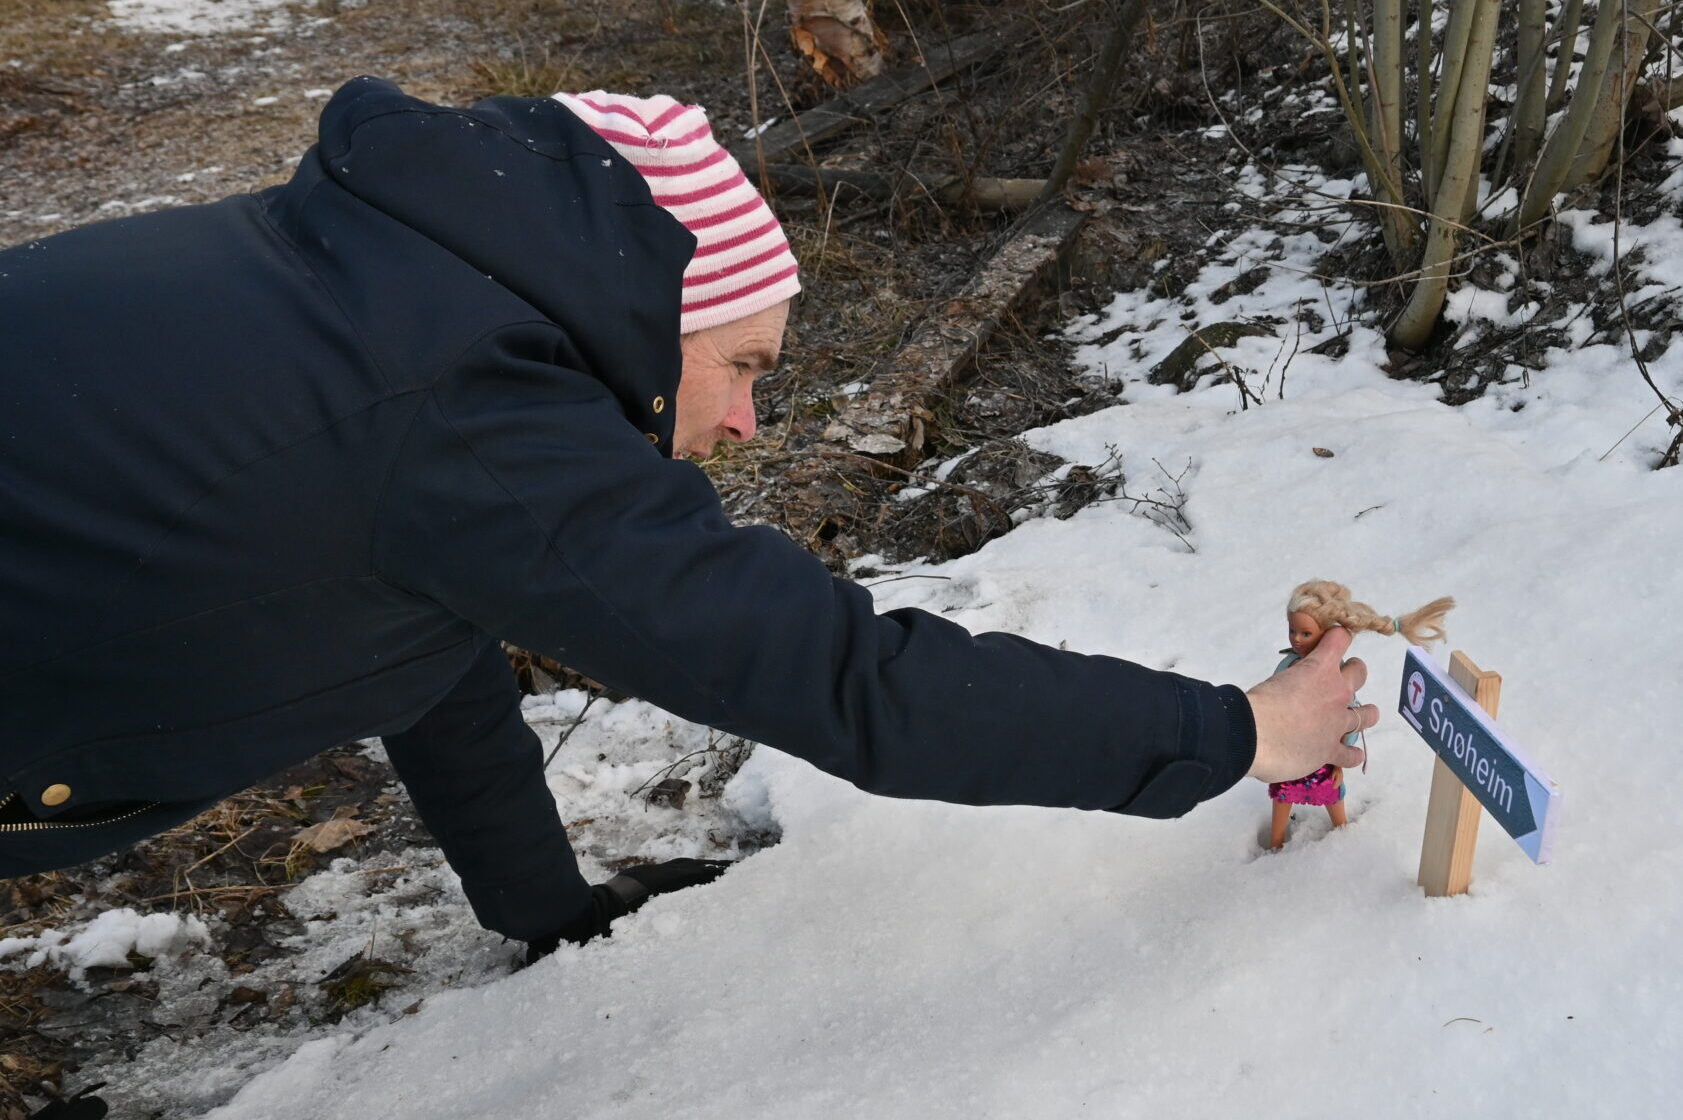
x: 1303, y: 632
x: 716, y: 388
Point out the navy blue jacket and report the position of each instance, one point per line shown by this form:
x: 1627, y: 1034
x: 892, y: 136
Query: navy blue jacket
x: 276, y: 472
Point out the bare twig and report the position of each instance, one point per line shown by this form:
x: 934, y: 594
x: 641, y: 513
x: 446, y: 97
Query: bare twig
x: 201, y: 862
x: 1095, y: 97
x: 751, y: 45
x: 253, y: 889
x: 1296, y: 341
x: 1674, y: 416
x: 913, y: 575
x: 976, y: 496
x: 713, y: 748
x: 590, y: 698
x: 1603, y: 456
x: 1245, y: 394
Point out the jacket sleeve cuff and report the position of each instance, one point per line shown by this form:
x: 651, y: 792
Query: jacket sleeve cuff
x: 1217, y: 747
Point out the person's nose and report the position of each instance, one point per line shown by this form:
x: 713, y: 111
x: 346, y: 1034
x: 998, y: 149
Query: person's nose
x: 740, y: 423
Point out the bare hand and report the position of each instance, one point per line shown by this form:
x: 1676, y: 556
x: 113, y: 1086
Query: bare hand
x: 1303, y: 713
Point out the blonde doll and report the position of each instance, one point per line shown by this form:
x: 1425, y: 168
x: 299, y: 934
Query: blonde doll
x: 1313, y: 609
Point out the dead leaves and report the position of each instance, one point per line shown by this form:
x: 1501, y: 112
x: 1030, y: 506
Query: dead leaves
x: 335, y: 832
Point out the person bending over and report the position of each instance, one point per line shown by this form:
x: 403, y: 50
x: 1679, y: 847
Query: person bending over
x: 286, y: 467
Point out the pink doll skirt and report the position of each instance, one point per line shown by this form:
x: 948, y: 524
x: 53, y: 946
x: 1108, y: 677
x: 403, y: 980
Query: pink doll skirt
x: 1316, y: 789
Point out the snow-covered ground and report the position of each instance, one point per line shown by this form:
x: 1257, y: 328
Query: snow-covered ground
x: 199, y: 17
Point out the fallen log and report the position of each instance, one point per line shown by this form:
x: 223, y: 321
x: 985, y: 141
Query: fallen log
x: 791, y: 137
x: 799, y: 181
x: 889, y: 422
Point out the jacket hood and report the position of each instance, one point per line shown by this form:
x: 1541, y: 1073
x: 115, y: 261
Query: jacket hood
x: 523, y: 191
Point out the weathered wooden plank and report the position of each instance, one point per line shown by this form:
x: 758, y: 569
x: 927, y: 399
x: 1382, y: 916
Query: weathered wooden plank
x: 889, y: 420
x: 798, y: 180
x: 786, y: 139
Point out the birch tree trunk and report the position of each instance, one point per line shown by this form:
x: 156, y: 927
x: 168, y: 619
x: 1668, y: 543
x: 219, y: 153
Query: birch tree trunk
x: 1529, y: 107
x: 1454, y: 55
x: 1423, y: 85
x: 1560, y: 153
x: 1608, y: 116
x: 1463, y: 131
x: 1398, y: 227
x: 1567, y: 31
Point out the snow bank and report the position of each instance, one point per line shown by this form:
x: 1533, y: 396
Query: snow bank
x: 198, y: 17
x: 107, y: 941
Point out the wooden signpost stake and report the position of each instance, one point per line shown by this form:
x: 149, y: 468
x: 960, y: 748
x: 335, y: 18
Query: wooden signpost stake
x: 1452, y: 815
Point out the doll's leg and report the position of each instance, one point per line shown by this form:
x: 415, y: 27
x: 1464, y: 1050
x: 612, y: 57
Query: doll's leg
x: 1336, y: 810
x: 1277, y: 833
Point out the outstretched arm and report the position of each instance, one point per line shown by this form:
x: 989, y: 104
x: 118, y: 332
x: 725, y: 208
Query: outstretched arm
x: 530, y: 507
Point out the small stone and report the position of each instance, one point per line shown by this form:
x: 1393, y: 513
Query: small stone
x: 877, y: 444
x: 670, y: 793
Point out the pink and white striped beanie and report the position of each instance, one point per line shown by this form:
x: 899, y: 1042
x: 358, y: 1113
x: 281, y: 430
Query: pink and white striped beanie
x: 742, y: 261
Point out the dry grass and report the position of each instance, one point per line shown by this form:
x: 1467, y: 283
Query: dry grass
x: 528, y: 74
x: 600, y: 46
x: 61, y: 38
x: 28, y: 1062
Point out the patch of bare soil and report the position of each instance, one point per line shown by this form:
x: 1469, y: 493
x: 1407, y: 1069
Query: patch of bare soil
x: 235, y: 864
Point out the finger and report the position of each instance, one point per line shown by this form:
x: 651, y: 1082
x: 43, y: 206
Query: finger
x: 1355, y: 673
x: 1369, y: 714
x: 1332, y: 645
x: 1348, y: 757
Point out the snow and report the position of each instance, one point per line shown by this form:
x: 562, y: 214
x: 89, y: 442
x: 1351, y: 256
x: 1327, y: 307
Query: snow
x: 199, y: 17
x: 1660, y: 242
x: 107, y: 941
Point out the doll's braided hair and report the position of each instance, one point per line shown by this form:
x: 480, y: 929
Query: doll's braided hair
x: 1329, y: 604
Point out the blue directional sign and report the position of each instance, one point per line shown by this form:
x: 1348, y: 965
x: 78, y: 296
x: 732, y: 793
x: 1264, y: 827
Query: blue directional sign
x: 1508, y: 784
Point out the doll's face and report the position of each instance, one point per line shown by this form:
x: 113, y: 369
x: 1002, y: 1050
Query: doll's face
x: 1303, y: 632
